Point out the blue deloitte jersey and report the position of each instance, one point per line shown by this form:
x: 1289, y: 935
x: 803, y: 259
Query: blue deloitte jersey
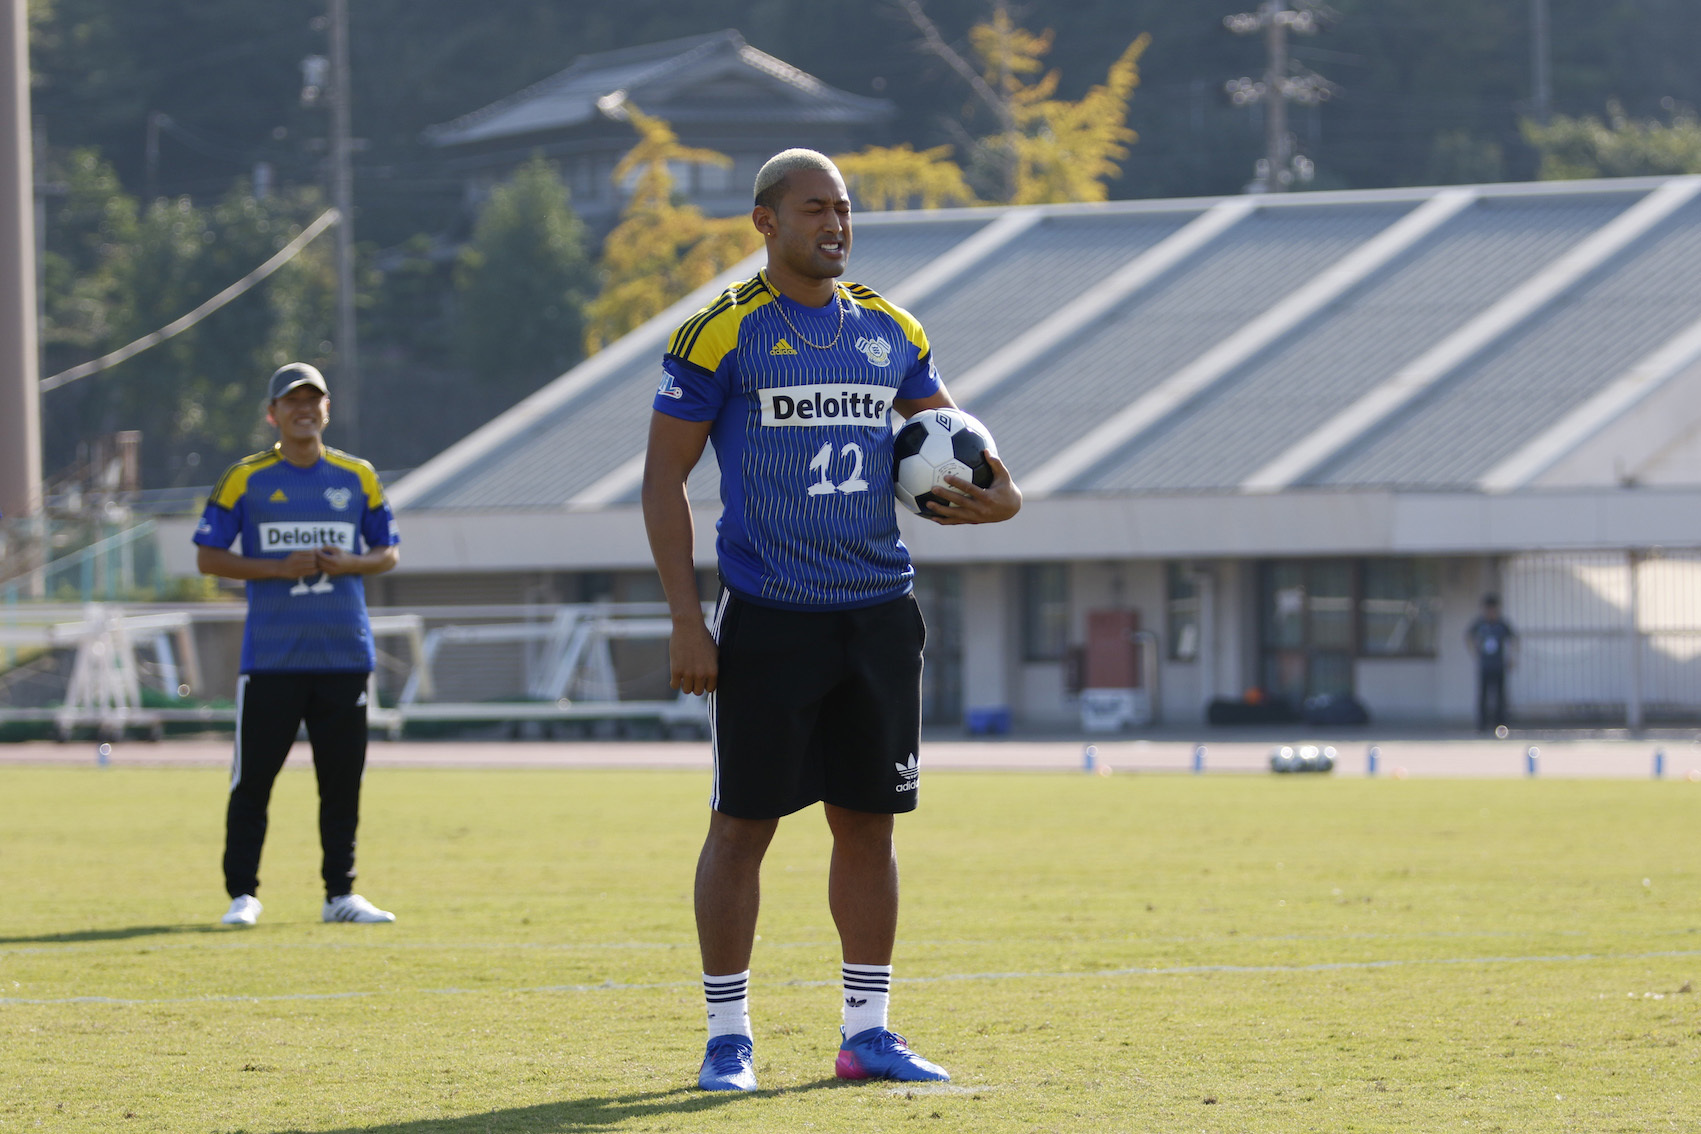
x: 803, y: 438
x: 317, y: 624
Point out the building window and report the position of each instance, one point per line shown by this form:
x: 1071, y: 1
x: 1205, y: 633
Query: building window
x: 1181, y: 613
x: 1045, y: 611
x: 1308, y: 632
x: 1399, y: 607
x: 1318, y: 615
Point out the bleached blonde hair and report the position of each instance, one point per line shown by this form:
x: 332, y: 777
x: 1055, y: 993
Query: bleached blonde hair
x: 770, y: 180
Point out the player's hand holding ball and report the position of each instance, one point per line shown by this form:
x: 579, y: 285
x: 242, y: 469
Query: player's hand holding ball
x: 945, y: 466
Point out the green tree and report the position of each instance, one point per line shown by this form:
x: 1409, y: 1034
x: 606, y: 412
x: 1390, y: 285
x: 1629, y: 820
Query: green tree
x: 523, y: 282
x: 197, y: 397
x: 1619, y: 146
x: 115, y: 272
x: 661, y: 249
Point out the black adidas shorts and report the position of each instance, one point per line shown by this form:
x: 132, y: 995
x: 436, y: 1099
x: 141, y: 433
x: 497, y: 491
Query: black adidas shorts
x: 815, y: 706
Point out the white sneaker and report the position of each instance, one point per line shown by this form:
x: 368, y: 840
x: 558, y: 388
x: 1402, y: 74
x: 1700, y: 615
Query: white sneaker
x: 244, y: 910
x: 353, y: 907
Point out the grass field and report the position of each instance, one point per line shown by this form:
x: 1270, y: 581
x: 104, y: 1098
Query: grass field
x: 1124, y: 953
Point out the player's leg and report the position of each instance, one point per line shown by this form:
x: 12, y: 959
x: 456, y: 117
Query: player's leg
x: 862, y: 885
x: 1497, y: 695
x: 761, y: 714
x: 728, y: 893
x: 336, y: 727
x: 871, y: 730
x: 728, y: 896
x: 269, y: 708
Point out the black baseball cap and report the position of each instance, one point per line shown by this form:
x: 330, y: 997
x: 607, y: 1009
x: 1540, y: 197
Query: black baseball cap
x: 287, y: 377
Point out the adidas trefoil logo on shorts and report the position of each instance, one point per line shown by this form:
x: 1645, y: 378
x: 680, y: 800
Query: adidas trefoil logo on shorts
x: 910, y: 773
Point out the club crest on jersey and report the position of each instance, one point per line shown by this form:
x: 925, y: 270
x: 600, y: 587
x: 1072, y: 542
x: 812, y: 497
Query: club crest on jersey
x: 338, y: 498
x: 878, y: 350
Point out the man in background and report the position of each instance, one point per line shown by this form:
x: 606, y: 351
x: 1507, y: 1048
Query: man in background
x: 1494, y: 643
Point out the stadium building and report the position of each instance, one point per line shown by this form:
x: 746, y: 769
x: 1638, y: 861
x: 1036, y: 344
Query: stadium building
x: 1274, y: 443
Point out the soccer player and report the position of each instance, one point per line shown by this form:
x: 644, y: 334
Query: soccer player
x: 302, y: 512
x: 813, y: 665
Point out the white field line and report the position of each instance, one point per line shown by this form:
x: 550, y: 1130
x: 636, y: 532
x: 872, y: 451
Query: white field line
x: 1100, y: 974
x: 242, y: 939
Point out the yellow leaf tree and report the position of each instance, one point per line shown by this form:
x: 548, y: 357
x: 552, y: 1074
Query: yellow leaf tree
x: 899, y: 177
x: 1055, y: 150
x: 1046, y: 149
x: 661, y: 249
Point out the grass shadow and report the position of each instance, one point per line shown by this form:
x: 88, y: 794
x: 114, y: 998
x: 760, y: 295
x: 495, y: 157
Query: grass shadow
x: 579, y: 1115
x: 123, y: 934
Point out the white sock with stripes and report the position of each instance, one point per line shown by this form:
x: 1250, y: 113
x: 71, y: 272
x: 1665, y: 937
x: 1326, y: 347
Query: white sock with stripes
x: 868, y: 992
x: 728, y: 999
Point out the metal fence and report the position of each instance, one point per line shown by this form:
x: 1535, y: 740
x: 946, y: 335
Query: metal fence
x: 1605, y: 637
x: 80, y: 561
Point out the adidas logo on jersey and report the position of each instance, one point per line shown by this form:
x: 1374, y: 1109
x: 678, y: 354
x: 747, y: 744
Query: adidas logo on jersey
x: 910, y: 773
x: 277, y: 497
x: 782, y: 347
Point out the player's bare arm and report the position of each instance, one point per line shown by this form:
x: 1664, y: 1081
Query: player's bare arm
x: 229, y: 565
x: 998, y: 501
x: 336, y: 561
x: 675, y: 446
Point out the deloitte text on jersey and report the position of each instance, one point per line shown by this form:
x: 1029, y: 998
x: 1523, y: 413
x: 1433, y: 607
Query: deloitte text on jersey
x: 824, y: 405
x: 306, y: 535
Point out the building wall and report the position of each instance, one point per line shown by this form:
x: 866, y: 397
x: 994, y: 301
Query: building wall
x: 1425, y: 690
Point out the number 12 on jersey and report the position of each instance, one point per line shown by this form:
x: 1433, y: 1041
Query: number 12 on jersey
x: 822, y: 465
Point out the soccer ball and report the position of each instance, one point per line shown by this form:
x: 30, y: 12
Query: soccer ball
x: 932, y: 445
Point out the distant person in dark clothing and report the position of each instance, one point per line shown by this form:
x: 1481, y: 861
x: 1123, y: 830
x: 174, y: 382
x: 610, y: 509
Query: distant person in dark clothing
x: 1494, y: 642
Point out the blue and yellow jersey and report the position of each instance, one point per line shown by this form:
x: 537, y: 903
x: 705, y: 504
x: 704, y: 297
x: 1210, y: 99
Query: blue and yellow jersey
x: 317, y: 624
x: 800, y: 398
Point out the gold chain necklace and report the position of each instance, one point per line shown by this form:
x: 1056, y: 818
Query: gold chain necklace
x: 801, y: 337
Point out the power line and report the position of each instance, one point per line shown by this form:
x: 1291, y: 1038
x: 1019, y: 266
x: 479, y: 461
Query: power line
x: 177, y: 326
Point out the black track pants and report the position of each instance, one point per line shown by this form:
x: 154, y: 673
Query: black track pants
x: 270, y: 707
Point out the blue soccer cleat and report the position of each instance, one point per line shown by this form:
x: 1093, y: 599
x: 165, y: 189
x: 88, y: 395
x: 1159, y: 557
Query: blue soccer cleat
x: 728, y: 1065
x: 880, y: 1054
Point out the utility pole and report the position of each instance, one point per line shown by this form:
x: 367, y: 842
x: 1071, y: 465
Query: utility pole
x: 1278, y: 143
x: 1282, y: 83
x: 1540, y: 55
x: 347, y: 396
x: 20, y: 375
x: 150, y: 157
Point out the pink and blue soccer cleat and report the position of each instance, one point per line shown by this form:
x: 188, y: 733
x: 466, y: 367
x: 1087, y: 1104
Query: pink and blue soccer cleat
x: 880, y: 1054
x: 728, y: 1065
